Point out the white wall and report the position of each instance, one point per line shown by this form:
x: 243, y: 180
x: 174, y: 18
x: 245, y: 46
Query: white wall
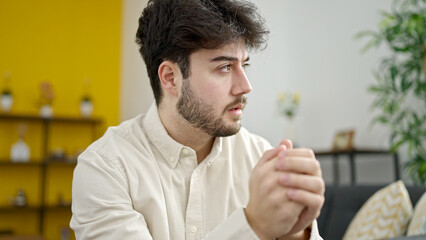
x: 135, y: 91
x: 311, y: 49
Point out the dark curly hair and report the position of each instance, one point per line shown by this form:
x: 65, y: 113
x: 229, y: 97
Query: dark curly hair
x: 173, y: 29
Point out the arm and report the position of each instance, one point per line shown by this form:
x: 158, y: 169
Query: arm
x: 102, y: 208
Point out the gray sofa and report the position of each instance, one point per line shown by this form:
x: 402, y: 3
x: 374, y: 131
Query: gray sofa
x: 343, y: 202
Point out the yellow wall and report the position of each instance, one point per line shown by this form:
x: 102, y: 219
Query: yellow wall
x: 64, y: 42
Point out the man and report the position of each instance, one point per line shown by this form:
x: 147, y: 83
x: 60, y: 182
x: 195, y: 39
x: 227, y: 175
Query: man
x: 187, y: 169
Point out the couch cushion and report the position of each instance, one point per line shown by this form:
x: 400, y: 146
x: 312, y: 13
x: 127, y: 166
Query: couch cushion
x: 385, y: 214
x: 418, y: 222
x: 341, y: 205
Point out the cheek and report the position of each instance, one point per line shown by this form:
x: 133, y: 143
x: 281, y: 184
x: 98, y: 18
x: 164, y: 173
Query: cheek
x: 214, y: 95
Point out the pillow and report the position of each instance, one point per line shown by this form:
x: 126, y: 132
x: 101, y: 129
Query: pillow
x: 384, y: 215
x: 418, y: 222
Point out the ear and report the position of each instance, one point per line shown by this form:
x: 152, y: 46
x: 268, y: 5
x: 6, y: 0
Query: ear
x: 168, y: 73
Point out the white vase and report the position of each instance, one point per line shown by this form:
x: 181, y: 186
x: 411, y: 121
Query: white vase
x: 86, y: 109
x: 20, y: 152
x: 6, y: 102
x: 46, y: 111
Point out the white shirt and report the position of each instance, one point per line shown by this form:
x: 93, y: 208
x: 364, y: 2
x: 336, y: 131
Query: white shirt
x: 136, y: 182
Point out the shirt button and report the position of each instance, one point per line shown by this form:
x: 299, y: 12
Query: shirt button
x: 171, y: 159
x: 185, y: 151
x: 194, y: 229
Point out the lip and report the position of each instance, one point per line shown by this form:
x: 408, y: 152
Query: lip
x: 236, y: 107
x: 236, y: 110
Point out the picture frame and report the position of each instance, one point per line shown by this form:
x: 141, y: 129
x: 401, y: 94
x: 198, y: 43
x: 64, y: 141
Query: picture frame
x: 343, y: 140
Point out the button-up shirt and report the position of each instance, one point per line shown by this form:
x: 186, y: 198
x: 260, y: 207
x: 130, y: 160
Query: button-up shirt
x: 136, y: 182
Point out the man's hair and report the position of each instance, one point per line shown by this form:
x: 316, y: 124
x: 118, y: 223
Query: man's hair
x: 173, y: 29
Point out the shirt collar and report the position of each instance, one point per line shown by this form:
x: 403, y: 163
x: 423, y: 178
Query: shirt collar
x: 167, y: 146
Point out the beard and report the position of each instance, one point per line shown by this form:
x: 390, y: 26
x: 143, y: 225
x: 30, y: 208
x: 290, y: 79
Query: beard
x: 202, y: 115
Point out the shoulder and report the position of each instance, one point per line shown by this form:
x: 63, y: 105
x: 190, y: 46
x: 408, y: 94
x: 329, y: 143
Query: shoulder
x: 119, y: 140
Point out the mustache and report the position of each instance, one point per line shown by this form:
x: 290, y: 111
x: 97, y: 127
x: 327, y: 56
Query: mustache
x: 240, y: 100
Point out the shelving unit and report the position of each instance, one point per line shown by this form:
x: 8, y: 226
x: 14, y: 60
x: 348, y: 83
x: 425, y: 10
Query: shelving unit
x: 44, y: 168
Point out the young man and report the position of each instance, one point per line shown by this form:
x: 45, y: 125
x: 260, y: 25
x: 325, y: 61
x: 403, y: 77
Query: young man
x: 187, y: 169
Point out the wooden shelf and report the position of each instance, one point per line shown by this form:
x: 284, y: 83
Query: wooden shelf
x: 13, y: 209
x: 7, y: 162
x: 46, y: 164
x: 36, y: 163
x: 55, y: 208
x: 60, y: 163
x: 70, y: 119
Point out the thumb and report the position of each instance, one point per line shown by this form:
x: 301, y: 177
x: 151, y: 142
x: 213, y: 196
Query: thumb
x: 287, y: 143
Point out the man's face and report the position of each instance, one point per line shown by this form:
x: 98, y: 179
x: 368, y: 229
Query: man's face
x: 212, y: 98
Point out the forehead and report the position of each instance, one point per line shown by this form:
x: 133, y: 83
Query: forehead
x: 235, y: 50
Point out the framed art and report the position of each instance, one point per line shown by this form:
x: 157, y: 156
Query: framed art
x: 343, y: 140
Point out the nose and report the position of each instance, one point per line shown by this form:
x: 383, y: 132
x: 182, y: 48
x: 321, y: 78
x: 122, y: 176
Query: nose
x: 241, y: 84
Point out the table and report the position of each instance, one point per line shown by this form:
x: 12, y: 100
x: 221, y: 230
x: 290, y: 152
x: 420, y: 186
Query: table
x: 351, y: 154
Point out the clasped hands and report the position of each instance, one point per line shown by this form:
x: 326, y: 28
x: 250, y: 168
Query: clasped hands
x: 286, y: 193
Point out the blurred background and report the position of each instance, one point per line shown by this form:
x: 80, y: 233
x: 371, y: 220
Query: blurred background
x: 70, y: 69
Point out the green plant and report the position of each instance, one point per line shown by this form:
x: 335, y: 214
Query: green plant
x: 400, y: 85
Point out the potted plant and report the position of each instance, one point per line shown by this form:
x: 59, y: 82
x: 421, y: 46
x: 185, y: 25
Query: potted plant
x: 86, y: 106
x: 6, y: 95
x: 400, y: 86
x: 86, y: 103
x: 288, y: 103
x: 46, y: 99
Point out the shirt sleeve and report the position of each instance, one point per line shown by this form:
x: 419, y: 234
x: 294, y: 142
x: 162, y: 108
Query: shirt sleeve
x: 236, y: 227
x: 101, y: 205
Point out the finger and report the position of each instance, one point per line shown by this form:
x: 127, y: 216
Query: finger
x: 303, y: 165
x: 311, y: 200
x: 305, y: 220
x: 268, y: 179
x: 270, y: 154
x: 309, y: 183
x: 287, y: 143
x: 301, y: 152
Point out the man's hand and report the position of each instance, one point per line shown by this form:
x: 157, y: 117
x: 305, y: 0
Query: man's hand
x: 269, y: 212
x: 301, y: 175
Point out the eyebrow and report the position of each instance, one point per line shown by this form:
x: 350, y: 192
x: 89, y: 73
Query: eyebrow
x: 226, y: 58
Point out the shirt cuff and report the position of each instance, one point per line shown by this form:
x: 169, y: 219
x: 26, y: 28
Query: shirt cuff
x: 235, y: 227
x: 314, y: 232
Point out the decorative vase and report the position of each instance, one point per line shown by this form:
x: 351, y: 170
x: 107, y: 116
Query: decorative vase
x: 6, y: 102
x: 291, y: 131
x: 20, y: 151
x: 86, y: 108
x: 46, y: 111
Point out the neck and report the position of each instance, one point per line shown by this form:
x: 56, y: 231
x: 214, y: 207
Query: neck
x: 184, y: 133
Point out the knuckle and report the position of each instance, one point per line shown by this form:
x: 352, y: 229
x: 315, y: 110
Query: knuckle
x: 311, y: 153
x: 322, y: 187
x: 317, y: 165
x: 319, y: 202
x: 268, y: 184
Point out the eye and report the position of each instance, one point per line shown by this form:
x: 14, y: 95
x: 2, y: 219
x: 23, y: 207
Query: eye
x: 245, y: 65
x: 226, y: 68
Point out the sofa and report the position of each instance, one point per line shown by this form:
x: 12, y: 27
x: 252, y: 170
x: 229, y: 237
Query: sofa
x: 343, y: 202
